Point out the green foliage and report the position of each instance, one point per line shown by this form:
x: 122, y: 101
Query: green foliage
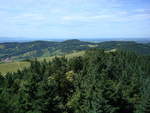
x: 28, y: 50
x: 16, y: 65
x: 144, y: 105
x: 98, y: 82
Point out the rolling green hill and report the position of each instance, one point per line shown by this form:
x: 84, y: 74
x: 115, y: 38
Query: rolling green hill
x: 28, y: 50
x: 19, y: 65
x: 19, y: 51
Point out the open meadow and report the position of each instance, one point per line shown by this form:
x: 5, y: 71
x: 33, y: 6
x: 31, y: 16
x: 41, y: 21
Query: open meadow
x: 19, y: 65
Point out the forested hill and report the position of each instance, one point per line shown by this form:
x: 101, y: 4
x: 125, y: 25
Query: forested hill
x: 47, y: 48
x: 98, y: 82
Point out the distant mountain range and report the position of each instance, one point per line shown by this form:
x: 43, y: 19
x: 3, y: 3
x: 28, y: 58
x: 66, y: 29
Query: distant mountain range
x: 27, y: 50
x: 23, y: 39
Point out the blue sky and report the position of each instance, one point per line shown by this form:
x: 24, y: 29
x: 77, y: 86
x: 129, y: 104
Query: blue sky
x: 74, y: 18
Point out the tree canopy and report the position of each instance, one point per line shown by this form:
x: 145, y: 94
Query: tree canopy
x: 98, y: 82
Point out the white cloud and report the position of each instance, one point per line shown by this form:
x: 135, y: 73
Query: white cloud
x: 142, y: 10
x: 114, y: 16
x: 29, y: 16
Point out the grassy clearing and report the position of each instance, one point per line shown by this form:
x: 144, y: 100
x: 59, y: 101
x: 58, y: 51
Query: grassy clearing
x: 112, y: 50
x: 75, y: 54
x: 14, y: 66
x: 71, y: 55
x: 2, y: 47
x: 89, y: 45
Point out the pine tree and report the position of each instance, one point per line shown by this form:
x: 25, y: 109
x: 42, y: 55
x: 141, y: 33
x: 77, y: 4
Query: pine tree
x: 144, y: 105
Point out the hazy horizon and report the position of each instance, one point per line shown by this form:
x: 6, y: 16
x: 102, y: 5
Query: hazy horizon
x: 19, y: 39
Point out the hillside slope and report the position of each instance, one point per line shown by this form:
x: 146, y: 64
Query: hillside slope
x: 29, y: 50
x: 20, y: 65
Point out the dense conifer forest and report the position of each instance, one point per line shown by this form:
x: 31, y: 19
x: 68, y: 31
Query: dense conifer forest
x: 98, y: 82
